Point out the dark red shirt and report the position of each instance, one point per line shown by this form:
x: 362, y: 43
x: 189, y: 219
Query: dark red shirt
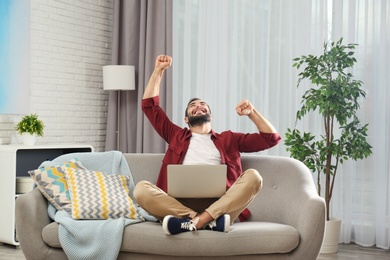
x: 229, y: 144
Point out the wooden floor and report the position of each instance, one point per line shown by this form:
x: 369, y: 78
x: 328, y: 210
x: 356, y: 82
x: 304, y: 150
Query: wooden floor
x: 8, y: 252
x: 346, y: 252
x: 355, y: 252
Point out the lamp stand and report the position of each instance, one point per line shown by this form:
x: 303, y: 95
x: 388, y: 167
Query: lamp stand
x: 118, y: 119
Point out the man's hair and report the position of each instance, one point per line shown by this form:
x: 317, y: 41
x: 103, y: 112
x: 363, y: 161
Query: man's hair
x: 192, y: 100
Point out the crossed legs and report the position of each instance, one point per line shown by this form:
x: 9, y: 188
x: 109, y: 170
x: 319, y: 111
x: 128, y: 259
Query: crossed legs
x: 233, y: 202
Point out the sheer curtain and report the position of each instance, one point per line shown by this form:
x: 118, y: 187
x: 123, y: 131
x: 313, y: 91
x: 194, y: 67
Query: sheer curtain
x: 225, y: 51
x: 363, y: 192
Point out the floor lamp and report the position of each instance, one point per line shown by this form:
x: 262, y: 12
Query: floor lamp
x: 118, y: 78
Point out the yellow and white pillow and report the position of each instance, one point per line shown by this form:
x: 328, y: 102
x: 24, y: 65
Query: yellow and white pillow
x: 96, y: 195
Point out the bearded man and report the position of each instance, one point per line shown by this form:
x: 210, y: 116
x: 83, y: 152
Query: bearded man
x: 199, y: 144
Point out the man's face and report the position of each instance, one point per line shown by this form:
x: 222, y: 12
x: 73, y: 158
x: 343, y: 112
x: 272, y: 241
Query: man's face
x: 198, y: 113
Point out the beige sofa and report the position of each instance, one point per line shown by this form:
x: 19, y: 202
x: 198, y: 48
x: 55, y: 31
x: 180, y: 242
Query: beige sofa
x: 287, y: 221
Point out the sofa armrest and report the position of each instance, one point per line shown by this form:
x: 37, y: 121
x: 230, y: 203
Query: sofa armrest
x: 308, y: 219
x: 311, y: 226
x: 289, y: 196
x: 31, y: 217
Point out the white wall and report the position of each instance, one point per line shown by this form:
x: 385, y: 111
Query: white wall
x: 70, y: 41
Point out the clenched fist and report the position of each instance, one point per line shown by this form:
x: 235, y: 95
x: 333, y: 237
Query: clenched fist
x: 163, y: 61
x: 244, y: 108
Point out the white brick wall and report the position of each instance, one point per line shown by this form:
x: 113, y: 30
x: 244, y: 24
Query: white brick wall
x: 70, y: 42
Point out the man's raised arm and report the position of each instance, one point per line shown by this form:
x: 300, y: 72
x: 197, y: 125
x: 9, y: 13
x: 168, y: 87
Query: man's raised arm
x: 153, y: 87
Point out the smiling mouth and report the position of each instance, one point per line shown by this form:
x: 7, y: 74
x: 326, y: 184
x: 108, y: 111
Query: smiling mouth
x: 198, y: 112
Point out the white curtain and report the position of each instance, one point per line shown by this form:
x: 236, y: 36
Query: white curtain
x: 363, y: 191
x: 228, y: 50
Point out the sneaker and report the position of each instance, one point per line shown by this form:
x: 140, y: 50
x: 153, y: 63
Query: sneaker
x: 221, y: 224
x: 172, y: 225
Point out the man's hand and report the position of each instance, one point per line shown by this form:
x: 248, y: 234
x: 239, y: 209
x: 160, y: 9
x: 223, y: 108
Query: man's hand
x: 163, y: 61
x: 244, y: 108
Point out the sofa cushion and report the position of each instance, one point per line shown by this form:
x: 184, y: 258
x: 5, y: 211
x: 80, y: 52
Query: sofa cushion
x: 52, y: 183
x: 242, y: 239
x: 245, y: 238
x: 96, y: 195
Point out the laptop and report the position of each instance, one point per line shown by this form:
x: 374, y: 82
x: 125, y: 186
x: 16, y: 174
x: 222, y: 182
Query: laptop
x: 196, y: 181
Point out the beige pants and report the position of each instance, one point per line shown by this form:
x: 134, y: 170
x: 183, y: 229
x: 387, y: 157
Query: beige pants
x: 236, y: 199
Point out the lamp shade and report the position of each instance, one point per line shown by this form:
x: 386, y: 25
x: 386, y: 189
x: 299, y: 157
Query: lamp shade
x: 118, y: 77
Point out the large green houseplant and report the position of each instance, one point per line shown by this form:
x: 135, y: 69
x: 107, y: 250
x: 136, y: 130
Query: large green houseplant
x: 334, y: 95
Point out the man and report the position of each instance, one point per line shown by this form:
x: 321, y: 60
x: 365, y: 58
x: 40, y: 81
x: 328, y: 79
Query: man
x: 201, y: 145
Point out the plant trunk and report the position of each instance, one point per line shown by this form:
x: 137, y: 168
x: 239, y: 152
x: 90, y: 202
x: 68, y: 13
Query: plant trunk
x: 329, y: 136
x: 319, y: 182
x: 327, y: 185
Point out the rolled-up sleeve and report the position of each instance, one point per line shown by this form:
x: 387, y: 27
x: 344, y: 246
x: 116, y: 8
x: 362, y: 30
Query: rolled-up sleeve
x: 271, y: 138
x: 256, y: 142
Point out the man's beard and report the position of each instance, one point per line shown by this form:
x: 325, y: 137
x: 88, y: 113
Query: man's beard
x: 198, y: 120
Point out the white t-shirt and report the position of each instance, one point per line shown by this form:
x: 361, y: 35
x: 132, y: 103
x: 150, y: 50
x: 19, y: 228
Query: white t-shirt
x: 202, y: 150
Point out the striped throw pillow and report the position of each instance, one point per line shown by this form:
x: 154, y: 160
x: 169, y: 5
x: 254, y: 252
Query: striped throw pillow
x: 96, y: 195
x: 53, y: 185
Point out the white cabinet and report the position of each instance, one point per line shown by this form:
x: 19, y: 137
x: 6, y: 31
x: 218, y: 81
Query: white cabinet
x: 16, y: 161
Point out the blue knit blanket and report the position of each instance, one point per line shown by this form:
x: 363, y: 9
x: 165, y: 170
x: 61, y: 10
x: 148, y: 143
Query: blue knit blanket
x: 94, y: 239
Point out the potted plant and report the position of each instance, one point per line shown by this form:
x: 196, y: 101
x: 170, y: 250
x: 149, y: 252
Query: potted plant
x: 334, y: 95
x: 29, y: 127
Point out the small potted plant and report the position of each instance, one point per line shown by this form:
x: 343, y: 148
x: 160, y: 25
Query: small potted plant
x: 29, y: 127
x: 334, y: 96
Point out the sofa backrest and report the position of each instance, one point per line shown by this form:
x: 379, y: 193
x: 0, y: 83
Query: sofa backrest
x: 144, y: 166
x: 285, y: 181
